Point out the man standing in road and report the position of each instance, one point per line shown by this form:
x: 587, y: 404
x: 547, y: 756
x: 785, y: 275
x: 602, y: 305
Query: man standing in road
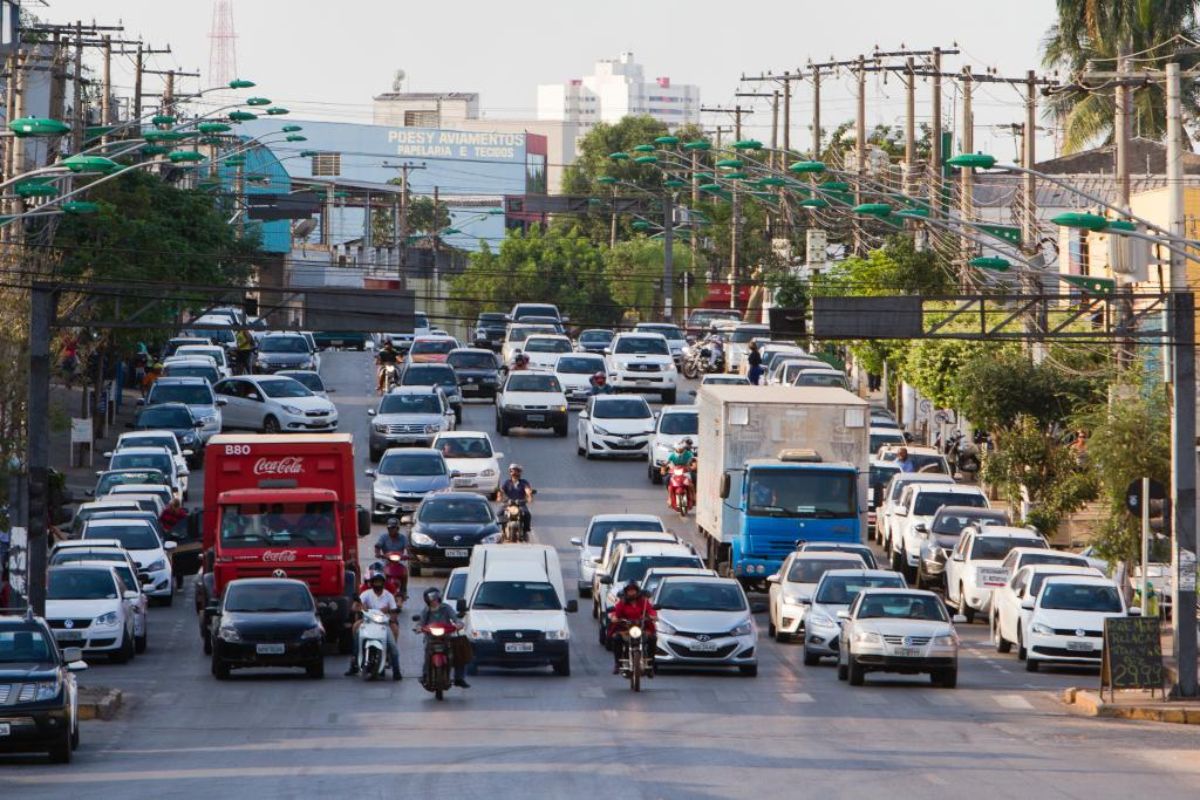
x: 245, y: 350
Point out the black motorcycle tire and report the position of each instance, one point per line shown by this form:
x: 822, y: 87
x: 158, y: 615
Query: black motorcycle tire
x: 635, y: 668
x: 371, y: 668
x: 689, y: 369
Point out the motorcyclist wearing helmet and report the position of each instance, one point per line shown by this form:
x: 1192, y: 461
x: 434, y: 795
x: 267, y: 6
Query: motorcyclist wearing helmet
x: 518, y: 489
x: 684, y: 456
x: 599, y: 384
x: 378, y: 598
x: 389, y: 542
x: 633, y: 608
x: 437, y: 611
x: 387, y: 357
x: 520, y: 361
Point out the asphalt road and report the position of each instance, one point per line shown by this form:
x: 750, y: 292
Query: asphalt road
x: 792, y: 731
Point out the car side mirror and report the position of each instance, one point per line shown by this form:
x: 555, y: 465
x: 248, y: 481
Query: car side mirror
x: 132, y: 595
x: 330, y: 391
x: 921, y: 527
x: 221, y: 401
x: 606, y: 580
x: 1027, y: 605
x: 461, y: 605
x: 804, y: 600
x: 576, y: 541
x: 72, y: 655
x: 212, y: 607
x: 608, y: 351
x: 773, y: 578
x: 1134, y: 611
x: 498, y: 456
x: 406, y: 519
x: 843, y: 614
x: 572, y: 606
x: 188, y: 453
x: 108, y: 453
x: 959, y: 619
x: 957, y: 557
x: 370, y: 412
x: 141, y: 401
x: 169, y: 546
x: 370, y: 473
x: 724, y: 486
x: 583, y: 414
x: 454, y: 473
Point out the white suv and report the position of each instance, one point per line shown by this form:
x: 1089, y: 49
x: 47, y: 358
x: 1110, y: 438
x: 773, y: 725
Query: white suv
x: 642, y: 362
x: 918, y: 505
x: 975, y: 568
x: 591, y: 544
x: 140, y: 540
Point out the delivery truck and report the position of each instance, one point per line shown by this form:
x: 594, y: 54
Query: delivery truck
x: 781, y: 465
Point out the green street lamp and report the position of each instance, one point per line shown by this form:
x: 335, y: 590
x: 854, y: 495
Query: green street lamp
x: 674, y: 183
x: 162, y: 119
x: 730, y: 163
x: 241, y: 83
x: 164, y: 136
x: 646, y: 160
x: 703, y: 176
x: 913, y: 213
x: 241, y: 116
x: 772, y: 180
x: 38, y: 126
x: 972, y: 161
x: 214, y: 127
x: 450, y: 232
x: 835, y: 186
x: 35, y: 188
x: 214, y: 140
x: 994, y: 263
x: 644, y: 148
x: 640, y: 225
x: 257, y: 101
x: 607, y: 180
x: 80, y: 207
x: 1079, y: 219
x: 806, y: 167
x: 235, y: 161
x: 619, y: 156
x: 277, y: 111
x: 309, y: 153
x: 84, y: 163
x: 296, y: 137
x: 667, y: 141
x: 155, y: 150
x: 184, y: 157
x: 872, y: 209
x: 710, y: 187
x: 699, y: 144
x: 291, y: 129
x: 736, y: 176
x: 748, y: 144
x: 814, y: 202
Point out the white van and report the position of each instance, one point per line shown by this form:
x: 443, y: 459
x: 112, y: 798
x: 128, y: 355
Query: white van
x: 516, y: 609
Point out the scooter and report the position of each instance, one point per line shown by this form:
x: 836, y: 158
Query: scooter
x: 391, y: 377
x: 679, y: 489
x: 514, y: 530
x: 372, y: 637
x: 436, y: 675
x: 397, y: 572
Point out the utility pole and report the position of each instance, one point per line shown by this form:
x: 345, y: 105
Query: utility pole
x: 1028, y: 153
x: 860, y: 145
x: 910, y: 125
x: 774, y: 118
x: 967, y: 176
x: 106, y: 92
x: 43, y: 301
x: 737, y: 112
x: 77, y: 96
x: 935, y: 146
x: 1121, y: 124
x: 787, y: 113
x: 138, y: 66
x: 816, y: 114
x: 668, y: 279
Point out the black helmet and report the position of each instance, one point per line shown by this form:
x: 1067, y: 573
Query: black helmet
x: 377, y: 576
x: 432, y: 595
x: 376, y: 566
x: 631, y: 585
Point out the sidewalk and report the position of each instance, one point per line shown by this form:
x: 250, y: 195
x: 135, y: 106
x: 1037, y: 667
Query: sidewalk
x: 64, y: 405
x: 1132, y: 704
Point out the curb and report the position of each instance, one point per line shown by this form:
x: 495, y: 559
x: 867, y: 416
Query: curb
x: 1089, y: 704
x: 99, y: 703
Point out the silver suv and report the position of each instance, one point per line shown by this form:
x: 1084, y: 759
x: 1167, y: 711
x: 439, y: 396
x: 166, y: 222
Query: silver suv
x: 409, y: 415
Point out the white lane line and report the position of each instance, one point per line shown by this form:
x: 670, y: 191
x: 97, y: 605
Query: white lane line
x: 939, y: 699
x: 1013, y: 701
x: 593, y: 693
x: 798, y: 697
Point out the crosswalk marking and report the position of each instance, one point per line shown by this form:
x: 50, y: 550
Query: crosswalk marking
x: 798, y: 697
x: 1013, y: 701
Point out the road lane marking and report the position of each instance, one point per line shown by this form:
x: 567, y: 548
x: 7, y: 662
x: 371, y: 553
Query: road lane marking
x: 1013, y: 701
x: 798, y: 697
x: 593, y: 693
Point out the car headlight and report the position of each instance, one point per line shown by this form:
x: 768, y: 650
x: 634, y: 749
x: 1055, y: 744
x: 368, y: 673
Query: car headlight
x: 868, y: 637
x: 493, y: 538
x: 293, y: 410
x: 820, y: 619
x: 422, y: 539
x: 560, y: 408
x: 1039, y: 628
x: 157, y: 566
x: 228, y: 633
x: 433, y: 427
x: 599, y: 430
x: 309, y: 364
x: 107, y: 620
x: 558, y: 635
x: 314, y: 632
x: 744, y: 629
x: 481, y: 635
x: 665, y: 627
x: 945, y: 640
x: 206, y: 418
x: 188, y: 438
x: 380, y: 428
x: 47, y: 690
x: 488, y: 473
x: 790, y: 598
x: 262, y: 360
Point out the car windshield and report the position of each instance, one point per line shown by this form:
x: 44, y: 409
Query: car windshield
x: 410, y: 404
x: 745, y: 335
x: 928, y: 503
x: 578, y: 365
x: 471, y: 360
x: 902, y: 606
x: 191, y: 394
x: 209, y: 374
x: 282, y: 344
x: 125, y: 460
x: 280, y: 524
x: 465, y: 447
x: 864, y: 552
x: 669, y: 332
x: 532, y: 382
x: 1038, y: 578
x: 642, y: 345
x: 24, y: 645
x: 633, y: 568
x: 821, y: 379
x: 600, y: 530
x: 433, y: 346
x: 213, y: 334
x: 624, y: 408
x: 536, y: 310
x: 682, y: 595
x: 951, y: 523
x: 801, y: 493
x: 412, y: 464
x: 1050, y: 557
x: 517, y: 595
x: 84, y: 554
x: 881, y: 475
x: 679, y: 424
x: 810, y: 570
x: 167, y: 441
x: 311, y: 380
x: 165, y: 418
x: 131, y: 537
x: 110, y: 479
x: 452, y: 509
x: 439, y: 376
x: 267, y: 598
x: 596, y: 337
x: 995, y: 548
x: 285, y: 387
x: 537, y: 344
x: 1081, y: 597
x: 841, y: 590
x: 80, y: 584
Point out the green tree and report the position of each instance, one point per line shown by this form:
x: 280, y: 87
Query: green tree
x: 1097, y: 31
x: 635, y: 269
x: 1005, y: 384
x: 556, y: 265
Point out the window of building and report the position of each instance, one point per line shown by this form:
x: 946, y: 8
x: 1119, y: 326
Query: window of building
x: 327, y: 165
x: 421, y: 119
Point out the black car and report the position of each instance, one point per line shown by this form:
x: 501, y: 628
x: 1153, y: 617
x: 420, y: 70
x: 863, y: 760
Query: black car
x: 447, y: 526
x: 38, y: 694
x: 594, y: 340
x: 267, y: 622
x: 478, y: 371
x: 489, y: 329
x: 179, y: 420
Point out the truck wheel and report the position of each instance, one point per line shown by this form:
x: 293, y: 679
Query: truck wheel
x: 668, y: 398
x: 562, y: 668
x: 270, y: 425
x: 655, y: 476
x: 220, y: 669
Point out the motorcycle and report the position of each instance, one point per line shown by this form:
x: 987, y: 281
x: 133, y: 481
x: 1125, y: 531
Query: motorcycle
x: 679, y: 489
x: 438, y: 656
x: 391, y: 377
x: 373, y: 650
x: 514, y: 528
x: 703, y: 358
x: 397, y: 572
x: 635, y: 661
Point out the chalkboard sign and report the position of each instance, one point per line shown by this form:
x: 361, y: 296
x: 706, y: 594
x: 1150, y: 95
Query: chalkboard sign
x: 1132, y: 654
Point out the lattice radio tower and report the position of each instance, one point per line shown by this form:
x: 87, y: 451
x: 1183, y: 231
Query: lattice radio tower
x: 222, y: 53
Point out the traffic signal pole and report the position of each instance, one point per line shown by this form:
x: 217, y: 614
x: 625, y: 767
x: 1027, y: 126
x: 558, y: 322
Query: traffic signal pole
x: 42, y: 306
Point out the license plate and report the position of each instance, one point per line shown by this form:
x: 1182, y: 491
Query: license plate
x: 68, y: 636
x: 642, y: 382
x: 990, y: 577
x: 907, y: 652
x: 537, y: 417
x: 469, y: 387
x: 458, y: 553
x: 518, y: 647
x: 1080, y: 647
x: 463, y: 482
x: 335, y: 342
x: 704, y: 647
x: 469, y: 380
x: 5, y: 730
x: 269, y: 649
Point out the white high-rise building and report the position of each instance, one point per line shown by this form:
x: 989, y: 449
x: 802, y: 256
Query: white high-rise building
x: 617, y: 88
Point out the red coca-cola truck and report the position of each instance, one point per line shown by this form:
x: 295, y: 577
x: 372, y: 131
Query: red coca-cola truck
x: 282, y: 506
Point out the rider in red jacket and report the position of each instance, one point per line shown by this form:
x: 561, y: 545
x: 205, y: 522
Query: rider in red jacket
x: 635, y: 608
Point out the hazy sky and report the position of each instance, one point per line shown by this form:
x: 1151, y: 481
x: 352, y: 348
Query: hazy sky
x: 327, y: 59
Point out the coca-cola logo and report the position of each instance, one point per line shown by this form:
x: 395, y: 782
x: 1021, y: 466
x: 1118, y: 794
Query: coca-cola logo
x: 288, y: 465
x: 279, y: 555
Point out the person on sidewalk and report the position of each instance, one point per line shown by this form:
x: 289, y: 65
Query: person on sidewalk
x: 754, y: 360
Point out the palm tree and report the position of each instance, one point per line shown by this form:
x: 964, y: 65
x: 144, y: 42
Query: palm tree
x: 1099, y: 31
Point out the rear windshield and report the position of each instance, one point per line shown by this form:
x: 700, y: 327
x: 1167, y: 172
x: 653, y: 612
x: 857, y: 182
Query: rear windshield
x: 267, y: 598
x: 842, y: 589
x: 471, y: 360
x: 600, y: 530
x: 701, y: 596
x: 433, y: 346
x: 80, y: 584
x: 131, y: 537
x: 633, y: 568
x: 192, y: 394
x: 642, y: 345
x: 810, y: 570
x: 928, y: 503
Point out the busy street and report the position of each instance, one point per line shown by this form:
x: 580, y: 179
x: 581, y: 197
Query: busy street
x: 688, y: 732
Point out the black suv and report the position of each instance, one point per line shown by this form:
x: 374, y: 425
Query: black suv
x: 39, y: 701
x: 489, y: 329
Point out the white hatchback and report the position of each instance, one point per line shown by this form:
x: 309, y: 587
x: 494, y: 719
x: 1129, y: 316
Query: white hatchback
x: 275, y: 404
x: 141, y: 541
x: 470, y: 456
x: 614, y: 426
x: 1066, y: 623
x: 87, y: 607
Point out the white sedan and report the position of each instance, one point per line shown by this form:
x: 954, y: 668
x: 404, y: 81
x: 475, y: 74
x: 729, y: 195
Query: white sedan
x: 1012, y: 603
x: 615, y: 426
x: 87, y: 607
x: 791, y: 589
x: 470, y: 455
x: 898, y: 630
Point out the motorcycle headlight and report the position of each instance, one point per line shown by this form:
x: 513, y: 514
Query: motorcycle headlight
x: 481, y: 635
x: 47, y: 690
x: 106, y: 620
x: 157, y: 566
x: 558, y: 636
x: 868, y: 637
x: 665, y: 627
x: 1043, y: 630
x: 635, y: 632
x: 380, y: 427
x: 228, y: 633
x: 437, y: 631
x: 293, y: 410
x: 314, y: 632
x: 422, y: 539
x: 742, y: 630
x: 493, y: 538
x: 488, y: 473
